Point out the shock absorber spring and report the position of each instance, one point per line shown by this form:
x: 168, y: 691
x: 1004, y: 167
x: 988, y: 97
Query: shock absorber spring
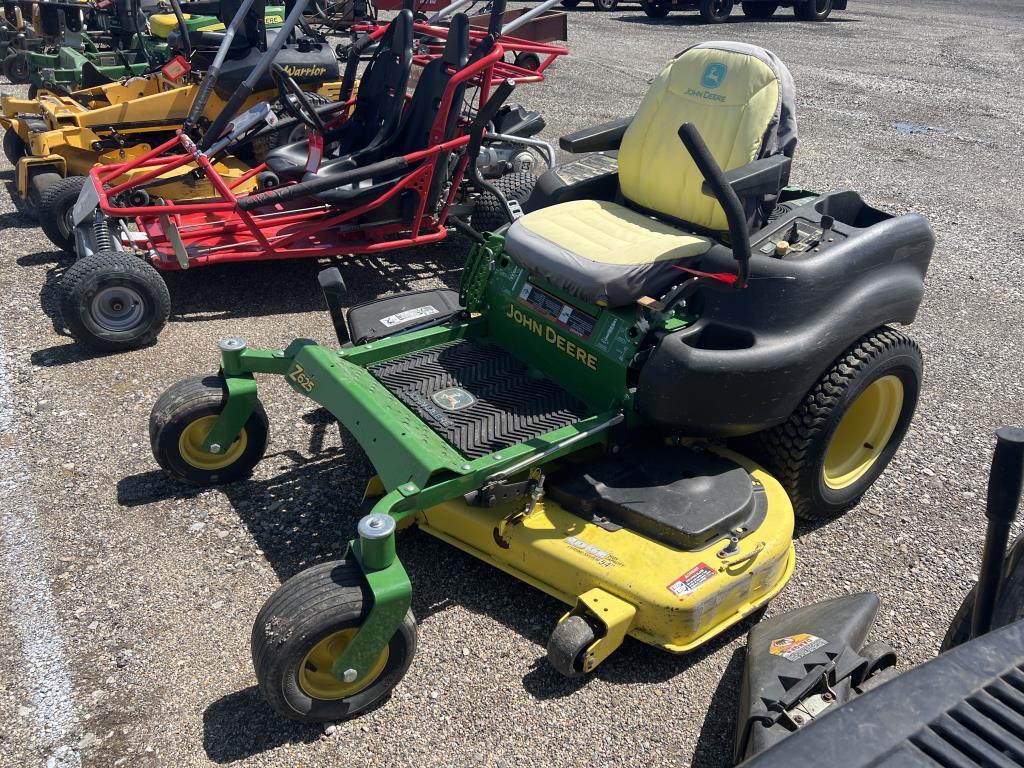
x: 101, y: 233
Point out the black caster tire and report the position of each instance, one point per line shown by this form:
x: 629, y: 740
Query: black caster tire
x: 182, y: 418
x: 36, y: 186
x: 113, y: 301
x: 528, y: 60
x: 759, y: 10
x: 570, y: 4
x: 812, y: 10
x: 567, y: 647
x: 848, y: 427
x: 15, y: 68
x: 715, y: 11
x: 56, y: 204
x: 489, y: 213
x: 321, y: 609
x: 656, y: 9
x: 606, y: 5
x: 14, y: 147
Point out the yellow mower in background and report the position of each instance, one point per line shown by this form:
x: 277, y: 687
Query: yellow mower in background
x: 54, y: 139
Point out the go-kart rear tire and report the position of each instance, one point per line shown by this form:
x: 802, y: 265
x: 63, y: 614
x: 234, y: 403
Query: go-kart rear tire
x: 759, y: 10
x: 812, y: 10
x: 489, y: 213
x: 56, y: 203
x: 311, y: 617
x: 112, y: 301
x: 836, y: 444
x: 568, y: 645
x: 14, y: 147
x: 182, y: 418
x: 715, y: 11
x: 15, y: 67
x: 656, y: 9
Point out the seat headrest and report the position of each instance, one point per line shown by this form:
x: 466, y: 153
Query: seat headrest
x: 740, y: 97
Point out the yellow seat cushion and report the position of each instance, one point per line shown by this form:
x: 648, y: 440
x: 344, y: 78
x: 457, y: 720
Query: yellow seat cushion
x: 601, y: 251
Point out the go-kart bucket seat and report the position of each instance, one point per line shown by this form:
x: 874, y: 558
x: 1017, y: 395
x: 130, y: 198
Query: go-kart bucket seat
x: 741, y: 99
x: 378, y: 106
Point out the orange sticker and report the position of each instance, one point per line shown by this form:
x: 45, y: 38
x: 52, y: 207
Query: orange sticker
x: 795, y: 647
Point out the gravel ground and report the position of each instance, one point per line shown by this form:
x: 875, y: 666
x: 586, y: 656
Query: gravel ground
x: 124, y: 638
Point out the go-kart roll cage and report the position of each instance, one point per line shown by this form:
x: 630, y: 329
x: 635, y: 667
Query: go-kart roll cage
x: 257, y: 227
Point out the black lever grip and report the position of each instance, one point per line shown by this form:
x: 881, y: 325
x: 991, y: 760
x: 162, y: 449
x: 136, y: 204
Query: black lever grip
x: 1007, y: 475
x: 486, y: 114
x: 724, y: 194
x: 497, y: 20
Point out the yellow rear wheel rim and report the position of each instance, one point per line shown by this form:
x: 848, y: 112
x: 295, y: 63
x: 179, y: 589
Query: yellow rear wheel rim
x: 190, y: 446
x: 863, y: 432
x: 315, y: 676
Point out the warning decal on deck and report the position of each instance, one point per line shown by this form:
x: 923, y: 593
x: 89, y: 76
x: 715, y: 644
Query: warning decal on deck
x: 691, y: 581
x: 795, y: 647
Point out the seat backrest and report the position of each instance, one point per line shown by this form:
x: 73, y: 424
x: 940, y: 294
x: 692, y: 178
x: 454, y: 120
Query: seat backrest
x: 382, y: 87
x: 741, y: 99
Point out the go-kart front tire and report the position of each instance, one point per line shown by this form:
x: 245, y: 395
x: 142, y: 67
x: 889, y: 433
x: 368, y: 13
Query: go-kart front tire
x: 56, y: 203
x: 112, y: 301
x: 844, y: 433
x: 182, y: 418
x: 304, y: 626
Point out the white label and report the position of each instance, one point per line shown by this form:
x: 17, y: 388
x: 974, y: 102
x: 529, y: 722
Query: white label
x: 410, y: 314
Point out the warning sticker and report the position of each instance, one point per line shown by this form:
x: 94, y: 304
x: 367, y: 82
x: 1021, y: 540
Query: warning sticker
x: 795, y: 647
x: 692, y: 580
x: 410, y: 314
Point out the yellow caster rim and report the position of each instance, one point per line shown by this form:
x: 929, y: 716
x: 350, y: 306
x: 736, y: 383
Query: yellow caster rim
x: 315, y: 676
x: 863, y: 432
x: 190, y: 446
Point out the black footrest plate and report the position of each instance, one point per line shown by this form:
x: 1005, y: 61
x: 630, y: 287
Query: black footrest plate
x: 477, y: 396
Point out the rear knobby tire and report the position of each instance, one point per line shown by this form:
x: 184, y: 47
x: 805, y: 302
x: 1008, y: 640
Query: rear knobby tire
x: 56, y: 203
x: 567, y: 647
x: 112, y: 301
x: 489, y: 213
x: 753, y: 10
x: 325, y: 601
x: 14, y: 147
x: 795, y: 451
x: 182, y: 418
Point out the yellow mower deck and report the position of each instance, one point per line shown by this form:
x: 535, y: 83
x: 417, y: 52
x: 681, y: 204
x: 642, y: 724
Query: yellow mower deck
x: 623, y: 580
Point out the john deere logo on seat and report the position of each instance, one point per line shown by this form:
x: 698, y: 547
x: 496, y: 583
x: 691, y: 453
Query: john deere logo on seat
x: 713, y: 75
x: 453, y: 398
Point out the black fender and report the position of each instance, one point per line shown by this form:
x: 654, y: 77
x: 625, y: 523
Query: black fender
x: 753, y: 354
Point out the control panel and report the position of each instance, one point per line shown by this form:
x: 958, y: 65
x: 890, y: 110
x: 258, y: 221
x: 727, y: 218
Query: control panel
x: 799, y: 236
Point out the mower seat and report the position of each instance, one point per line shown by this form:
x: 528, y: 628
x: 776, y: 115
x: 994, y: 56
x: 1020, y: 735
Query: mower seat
x: 740, y: 97
x: 417, y: 122
x: 377, y: 110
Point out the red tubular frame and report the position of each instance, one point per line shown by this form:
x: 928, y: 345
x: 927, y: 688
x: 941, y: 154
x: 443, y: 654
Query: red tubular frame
x: 308, y: 228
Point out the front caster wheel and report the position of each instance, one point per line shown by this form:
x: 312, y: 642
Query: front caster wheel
x: 183, y: 417
x: 567, y: 647
x: 56, y: 208
x: 844, y: 433
x: 15, y: 68
x: 304, y: 627
x: 113, y: 301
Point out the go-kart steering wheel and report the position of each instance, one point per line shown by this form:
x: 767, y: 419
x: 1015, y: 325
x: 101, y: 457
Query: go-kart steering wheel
x: 294, y: 100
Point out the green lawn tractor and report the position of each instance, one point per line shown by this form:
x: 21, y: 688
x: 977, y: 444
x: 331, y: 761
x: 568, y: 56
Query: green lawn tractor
x: 637, y: 385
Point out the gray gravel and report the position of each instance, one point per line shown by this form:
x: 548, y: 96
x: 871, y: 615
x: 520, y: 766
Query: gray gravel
x: 127, y: 599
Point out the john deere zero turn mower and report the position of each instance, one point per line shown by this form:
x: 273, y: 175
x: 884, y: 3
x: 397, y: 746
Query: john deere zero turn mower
x: 57, y: 136
x: 567, y: 416
x: 807, y: 669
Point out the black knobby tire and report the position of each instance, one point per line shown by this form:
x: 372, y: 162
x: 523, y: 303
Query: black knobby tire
x: 753, y: 10
x: 15, y: 68
x: 36, y: 186
x: 14, y: 147
x: 56, y: 202
x: 568, y: 645
x: 795, y: 450
x: 489, y: 213
x: 112, y: 301
x: 309, y: 607
x: 570, y: 4
x: 188, y: 405
x: 656, y: 9
x: 715, y: 11
x: 812, y: 10
x: 606, y: 5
